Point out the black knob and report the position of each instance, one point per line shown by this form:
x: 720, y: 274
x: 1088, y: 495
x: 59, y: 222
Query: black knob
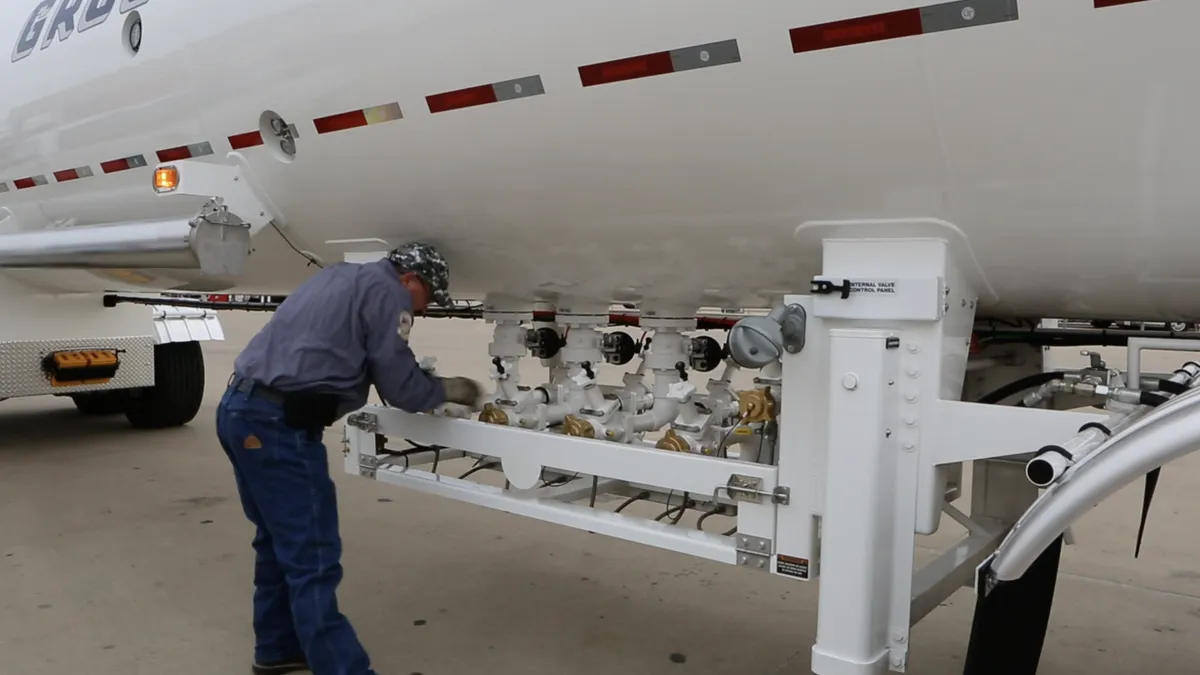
x: 499, y: 365
x: 682, y: 368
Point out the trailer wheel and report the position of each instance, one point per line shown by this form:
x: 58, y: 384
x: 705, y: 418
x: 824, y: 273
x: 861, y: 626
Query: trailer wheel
x: 178, y: 388
x: 102, y: 403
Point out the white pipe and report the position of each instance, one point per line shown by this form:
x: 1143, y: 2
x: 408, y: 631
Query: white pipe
x: 1052, y: 461
x: 1136, y: 345
x: 1166, y: 434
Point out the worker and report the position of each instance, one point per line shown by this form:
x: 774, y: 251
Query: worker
x: 342, y: 330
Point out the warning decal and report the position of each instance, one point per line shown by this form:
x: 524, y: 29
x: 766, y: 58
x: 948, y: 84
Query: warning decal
x: 791, y: 567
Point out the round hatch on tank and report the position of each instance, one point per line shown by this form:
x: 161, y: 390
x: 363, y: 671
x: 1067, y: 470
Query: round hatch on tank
x: 132, y: 33
x: 278, y: 135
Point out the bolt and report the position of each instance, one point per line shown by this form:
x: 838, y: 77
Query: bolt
x: 909, y: 446
x: 913, y: 348
x: 913, y: 371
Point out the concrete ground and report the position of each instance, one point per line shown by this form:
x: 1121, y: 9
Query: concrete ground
x: 126, y: 553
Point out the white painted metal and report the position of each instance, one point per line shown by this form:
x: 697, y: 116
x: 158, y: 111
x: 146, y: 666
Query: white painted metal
x: 870, y: 423
x: 36, y: 324
x: 1062, y: 145
x: 186, y: 324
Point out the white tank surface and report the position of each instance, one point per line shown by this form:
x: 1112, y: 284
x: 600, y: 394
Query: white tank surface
x: 671, y: 151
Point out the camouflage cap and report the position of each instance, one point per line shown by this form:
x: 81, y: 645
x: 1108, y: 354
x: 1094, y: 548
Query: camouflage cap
x: 425, y: 261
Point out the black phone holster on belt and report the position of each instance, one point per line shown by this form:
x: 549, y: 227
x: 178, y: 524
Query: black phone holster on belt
x: 309, y: 411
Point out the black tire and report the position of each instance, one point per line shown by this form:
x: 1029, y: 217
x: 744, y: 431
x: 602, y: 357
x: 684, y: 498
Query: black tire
x: 178, y: 388
x: 102, y: 403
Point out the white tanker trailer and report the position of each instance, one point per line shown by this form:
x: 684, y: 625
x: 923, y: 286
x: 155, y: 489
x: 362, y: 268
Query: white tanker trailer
x: 894, y: 194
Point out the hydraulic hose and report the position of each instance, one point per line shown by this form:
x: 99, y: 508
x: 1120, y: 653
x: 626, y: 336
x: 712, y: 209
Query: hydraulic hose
x: 1014, y: 388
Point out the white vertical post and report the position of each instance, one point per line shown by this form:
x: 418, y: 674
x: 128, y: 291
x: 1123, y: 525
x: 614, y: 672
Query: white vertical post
x: 857, y: 535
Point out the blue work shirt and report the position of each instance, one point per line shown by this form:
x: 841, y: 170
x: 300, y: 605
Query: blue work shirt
x: 342, y: 330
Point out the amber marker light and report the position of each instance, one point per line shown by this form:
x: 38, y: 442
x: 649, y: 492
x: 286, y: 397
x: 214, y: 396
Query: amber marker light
x: 166, y: 179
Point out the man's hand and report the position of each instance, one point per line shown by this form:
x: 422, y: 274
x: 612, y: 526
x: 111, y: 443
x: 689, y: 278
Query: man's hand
x: 461, y: 390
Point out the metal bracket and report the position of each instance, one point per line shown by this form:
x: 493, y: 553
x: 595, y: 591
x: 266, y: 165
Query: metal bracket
x: 367, y: 422
x: 754, y: 552
x: 749, y: 489
x: 367, y: 465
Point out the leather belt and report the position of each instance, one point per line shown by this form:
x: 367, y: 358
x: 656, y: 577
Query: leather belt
x: 254, y: 389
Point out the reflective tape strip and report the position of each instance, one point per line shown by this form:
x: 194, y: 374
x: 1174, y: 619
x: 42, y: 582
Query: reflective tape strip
x: 508, y: 90
x: 903, y: 23
x: 1101, y: 4
x: 250, y: 139
x: 31, y: 182
x: 358, y: 118
x: 73, y: 174
x: 124, y: 164
x: 185, y: 152
x: 661, y: 63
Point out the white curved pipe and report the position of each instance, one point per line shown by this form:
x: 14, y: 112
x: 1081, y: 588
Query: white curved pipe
x: 1167, y: 434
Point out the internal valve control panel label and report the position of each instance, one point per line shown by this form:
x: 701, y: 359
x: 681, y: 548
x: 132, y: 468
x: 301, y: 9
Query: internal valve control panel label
x: 873, y: 287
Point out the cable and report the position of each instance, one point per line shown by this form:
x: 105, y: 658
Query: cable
x: 311, y: 260
x: 641, y: 495
x: 678, y: 510
x: 478, y: 467
x: 595, y: 489
x: 1027, y: 382
x: 721, y: 450
x: 719, y: 511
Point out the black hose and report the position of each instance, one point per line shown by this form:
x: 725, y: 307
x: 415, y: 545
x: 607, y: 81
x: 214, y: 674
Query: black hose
x: 1013, y: 388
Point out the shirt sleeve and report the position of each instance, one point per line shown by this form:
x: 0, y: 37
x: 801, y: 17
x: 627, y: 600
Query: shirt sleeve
x: 391, y: 363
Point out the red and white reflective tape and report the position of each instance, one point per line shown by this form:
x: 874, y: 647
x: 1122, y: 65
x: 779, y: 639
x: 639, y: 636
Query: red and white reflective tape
x: 1101, y: 4
x: 507, y: 90
x: 250, y: 139
x: 123, y: 164
x: 903, y: 23
x: 358, y: 118
x: 253, y: 139
x: 185, y: 152
x: 31, y: 182
x: 73, y: 174
x: 661, y: 63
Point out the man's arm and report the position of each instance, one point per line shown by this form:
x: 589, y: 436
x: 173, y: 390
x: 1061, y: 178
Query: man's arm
x: 393, y: 366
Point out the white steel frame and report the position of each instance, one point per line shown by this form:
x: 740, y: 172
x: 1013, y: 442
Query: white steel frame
x: 872, y: 441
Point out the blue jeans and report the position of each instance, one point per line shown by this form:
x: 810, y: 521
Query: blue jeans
x: 283, y: 478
